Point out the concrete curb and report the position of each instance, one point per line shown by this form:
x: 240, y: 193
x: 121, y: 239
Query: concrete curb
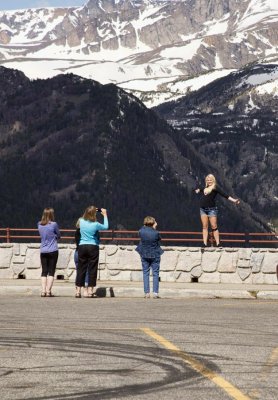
x: 135, y: 290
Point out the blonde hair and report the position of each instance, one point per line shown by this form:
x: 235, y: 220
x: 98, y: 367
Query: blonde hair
x: 47, y: 216
x: 208, y: 189
x: 90, y: 214
x: 77, y: 225
x: 149, y: 221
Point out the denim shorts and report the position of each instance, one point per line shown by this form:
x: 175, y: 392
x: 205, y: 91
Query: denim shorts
x: 209, y: 211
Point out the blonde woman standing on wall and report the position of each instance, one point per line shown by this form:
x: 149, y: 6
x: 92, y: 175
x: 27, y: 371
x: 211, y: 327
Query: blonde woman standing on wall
x: 208, y: 208
x: 49, y: 233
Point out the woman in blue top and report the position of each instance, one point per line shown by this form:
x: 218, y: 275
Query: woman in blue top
x: 88, y: 250
x: 150, y: 252
x: 49, y: 233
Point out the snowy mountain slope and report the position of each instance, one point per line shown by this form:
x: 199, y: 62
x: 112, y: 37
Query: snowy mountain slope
x: 147, y: 42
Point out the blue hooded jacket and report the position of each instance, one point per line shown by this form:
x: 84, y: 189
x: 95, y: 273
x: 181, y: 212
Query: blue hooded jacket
x: 149, y: 246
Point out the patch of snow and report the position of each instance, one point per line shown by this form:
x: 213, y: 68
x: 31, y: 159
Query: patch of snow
x: 186, y: 52
x: 217, y: 27
x: 258, y: 11
x: 199, y: 129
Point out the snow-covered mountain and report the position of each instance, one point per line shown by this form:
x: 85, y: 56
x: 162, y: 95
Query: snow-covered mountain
x: 158, y: 50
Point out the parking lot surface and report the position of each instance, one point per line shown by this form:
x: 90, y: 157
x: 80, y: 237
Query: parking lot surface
x: 121, y: 348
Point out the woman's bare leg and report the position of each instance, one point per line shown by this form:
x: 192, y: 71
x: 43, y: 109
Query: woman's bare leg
x: 205, y: 221
x: 43, y: 280
x: 50, y: 280
x: 215, y: 231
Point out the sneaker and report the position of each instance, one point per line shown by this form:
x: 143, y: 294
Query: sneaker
x: 156, y: 296
x: 147, y: 295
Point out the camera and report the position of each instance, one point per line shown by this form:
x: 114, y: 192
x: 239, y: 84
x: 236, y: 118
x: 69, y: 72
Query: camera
x: 98, y: 209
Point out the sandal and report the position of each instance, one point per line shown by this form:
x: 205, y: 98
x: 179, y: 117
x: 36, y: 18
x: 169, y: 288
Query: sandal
x: 43, y: 294
x: 78, y: 295
x: 49, y: 294
x: 91, y: 295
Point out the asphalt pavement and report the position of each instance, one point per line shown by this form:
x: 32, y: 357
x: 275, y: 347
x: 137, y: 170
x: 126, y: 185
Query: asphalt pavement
x: 133, y: 348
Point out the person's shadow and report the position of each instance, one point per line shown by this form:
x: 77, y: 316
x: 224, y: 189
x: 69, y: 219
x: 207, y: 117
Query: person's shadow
x: 102, y: 292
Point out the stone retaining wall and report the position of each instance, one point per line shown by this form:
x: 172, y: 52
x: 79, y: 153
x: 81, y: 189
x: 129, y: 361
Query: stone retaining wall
x: 178, y: 264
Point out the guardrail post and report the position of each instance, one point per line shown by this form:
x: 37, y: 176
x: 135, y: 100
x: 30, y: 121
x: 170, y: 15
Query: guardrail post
x: 211, y: 238
x: 247, y: 239
x: 8, y: 235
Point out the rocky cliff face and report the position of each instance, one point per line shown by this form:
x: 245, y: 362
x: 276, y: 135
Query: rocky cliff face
x: 233, y: 121
x: 146, y: 46
x: 68, y: 142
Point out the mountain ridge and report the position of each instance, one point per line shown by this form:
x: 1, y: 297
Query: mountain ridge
x: 140, y: 45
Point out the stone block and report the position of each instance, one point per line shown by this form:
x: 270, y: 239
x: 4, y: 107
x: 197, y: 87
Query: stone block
x: 210, y: 261
x: 244, y: 254
x: 32, y: 273
x: 230, y: 278
x: 244, y: 273
x: 243, y: 263
x: 6, y: 254
x: 129, y: 260
x: 256, y: 262
x: 64, y: 257
x: 121, y: 276
x: 227, y: 262
x: 184, y: 277
x: 196, y: 272
x: 169, y: 260
x: 71, y: 264
x: 71, y: 275
x: 167, y: 276
x: 110, y: 250
x: 258, y: 278
x: 18, y: 269
x: 270, y: 263
x: 23, y: 249
x: 33, y: 260
x: 213, y: 277
x: 16, y: 249
x: 188, y: 260
x: 6, y: 273
x: 102, y: 257
x: 270, y: 279
x: 114, y: 257
x: 136, y: 276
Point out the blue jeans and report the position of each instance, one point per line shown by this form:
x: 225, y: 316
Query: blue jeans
x: 209, y: 211
x: 154, y: 264
x: 76, y: 266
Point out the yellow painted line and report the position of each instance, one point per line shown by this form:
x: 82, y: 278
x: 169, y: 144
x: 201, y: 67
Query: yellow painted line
x: 271, y: 361
x: 198, y: 366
